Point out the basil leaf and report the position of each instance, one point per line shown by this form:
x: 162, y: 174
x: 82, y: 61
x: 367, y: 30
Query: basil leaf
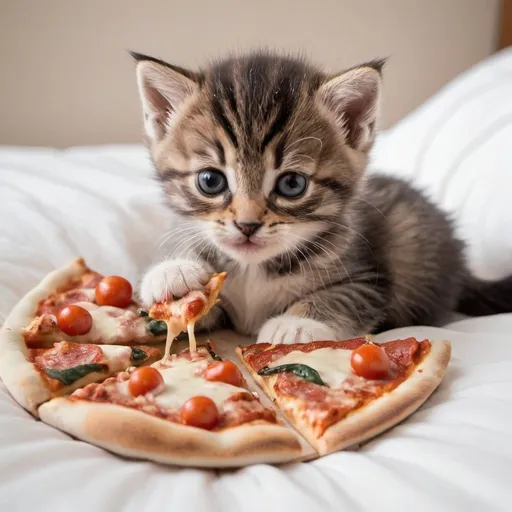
x: 301, y: 370
x: 70, y: 375
x: 142, y: 312
x: 157, y: 327
x: 215, y: 357
x: 138, y: 354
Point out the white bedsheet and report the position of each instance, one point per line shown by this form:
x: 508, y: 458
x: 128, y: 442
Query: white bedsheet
x: 454, y: 454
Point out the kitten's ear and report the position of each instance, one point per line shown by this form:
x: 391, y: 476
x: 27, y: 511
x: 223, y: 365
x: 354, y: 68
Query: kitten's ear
x: 353, y: 98
x: 162, y: 89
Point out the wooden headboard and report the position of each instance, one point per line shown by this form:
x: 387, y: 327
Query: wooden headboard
x: 506, y: 24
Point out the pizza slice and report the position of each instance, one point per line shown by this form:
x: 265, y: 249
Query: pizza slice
x: 34, y: 376
x: 77, y: 304
x: 340, y: 393
x: 191, y: 409
x: 181, y: 315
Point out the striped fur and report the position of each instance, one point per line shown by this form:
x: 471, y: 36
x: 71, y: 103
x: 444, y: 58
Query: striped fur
x: 356, y: 253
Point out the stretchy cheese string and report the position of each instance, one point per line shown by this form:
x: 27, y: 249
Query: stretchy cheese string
x: 171, y: 334
x: 191, y: 337
x: 173, y: 330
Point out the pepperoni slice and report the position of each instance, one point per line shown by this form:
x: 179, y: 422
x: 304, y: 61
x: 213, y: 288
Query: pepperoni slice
x: 401, y: 353
x: 288, y: 384
x: 66, y: 355
x: 193, y: 309
x: 90, y: 280
x: 54, y: 304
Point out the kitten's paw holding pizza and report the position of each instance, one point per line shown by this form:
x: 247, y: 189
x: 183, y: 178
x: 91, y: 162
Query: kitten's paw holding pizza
x: 172, y: 279
x: 289, y: 329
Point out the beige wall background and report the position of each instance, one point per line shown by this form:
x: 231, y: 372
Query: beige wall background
x: 66, y: 78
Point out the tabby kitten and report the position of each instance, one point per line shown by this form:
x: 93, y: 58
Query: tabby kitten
x: 263, y: 158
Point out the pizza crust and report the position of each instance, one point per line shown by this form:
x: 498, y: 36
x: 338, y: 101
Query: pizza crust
x: 25, y: 310
x: 18, y: 374
x: 135, y: 434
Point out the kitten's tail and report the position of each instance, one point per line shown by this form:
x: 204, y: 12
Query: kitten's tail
x: 480, y: 297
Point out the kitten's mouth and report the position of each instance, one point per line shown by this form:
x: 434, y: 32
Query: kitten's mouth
x: 247, y: 250
x: 246, y: 245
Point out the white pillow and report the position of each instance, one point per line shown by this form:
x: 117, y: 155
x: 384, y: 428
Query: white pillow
x: 458, y: 147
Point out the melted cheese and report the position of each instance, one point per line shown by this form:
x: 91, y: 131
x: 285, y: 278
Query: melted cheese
x: 181, y: 382
x: 332, y: 364
x: 113, y: 325
x: 173, y: 330
x: 117, y: 357
x: 191, y: 337
x: 176, y: 323
x: 90, y: 293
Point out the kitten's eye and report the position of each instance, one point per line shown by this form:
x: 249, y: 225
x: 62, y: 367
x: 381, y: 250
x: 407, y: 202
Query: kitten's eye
x: 212, y: 182
x: 291, y: 184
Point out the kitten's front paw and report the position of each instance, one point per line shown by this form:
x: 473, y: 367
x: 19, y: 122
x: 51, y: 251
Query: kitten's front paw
x: 289, y: 329
x: 172, y: 278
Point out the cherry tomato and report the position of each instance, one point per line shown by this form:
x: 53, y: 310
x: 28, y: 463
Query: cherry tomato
x: 74, y: 320
x: 193, y: 309
x: 144, y: 379
x: 114, y: 291
x: 224, y: 371
x: 370, y: 361
x: 200, y: 412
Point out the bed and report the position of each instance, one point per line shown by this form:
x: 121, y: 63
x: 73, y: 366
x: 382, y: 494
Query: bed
x: 454, y: 454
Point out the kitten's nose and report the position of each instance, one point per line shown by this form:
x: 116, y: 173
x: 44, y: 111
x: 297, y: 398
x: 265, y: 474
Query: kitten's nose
x: 248, y: 228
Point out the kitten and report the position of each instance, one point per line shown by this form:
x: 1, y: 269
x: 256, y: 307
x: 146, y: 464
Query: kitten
x: 263, y: 159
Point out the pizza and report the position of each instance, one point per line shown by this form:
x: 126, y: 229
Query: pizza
x: 35, y: 375
x: 41, y: 352
x: 77, y: 304
x: 182, y: 314
x: 340, y: 393
x: 79, y: 353
x: 189, y: 409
